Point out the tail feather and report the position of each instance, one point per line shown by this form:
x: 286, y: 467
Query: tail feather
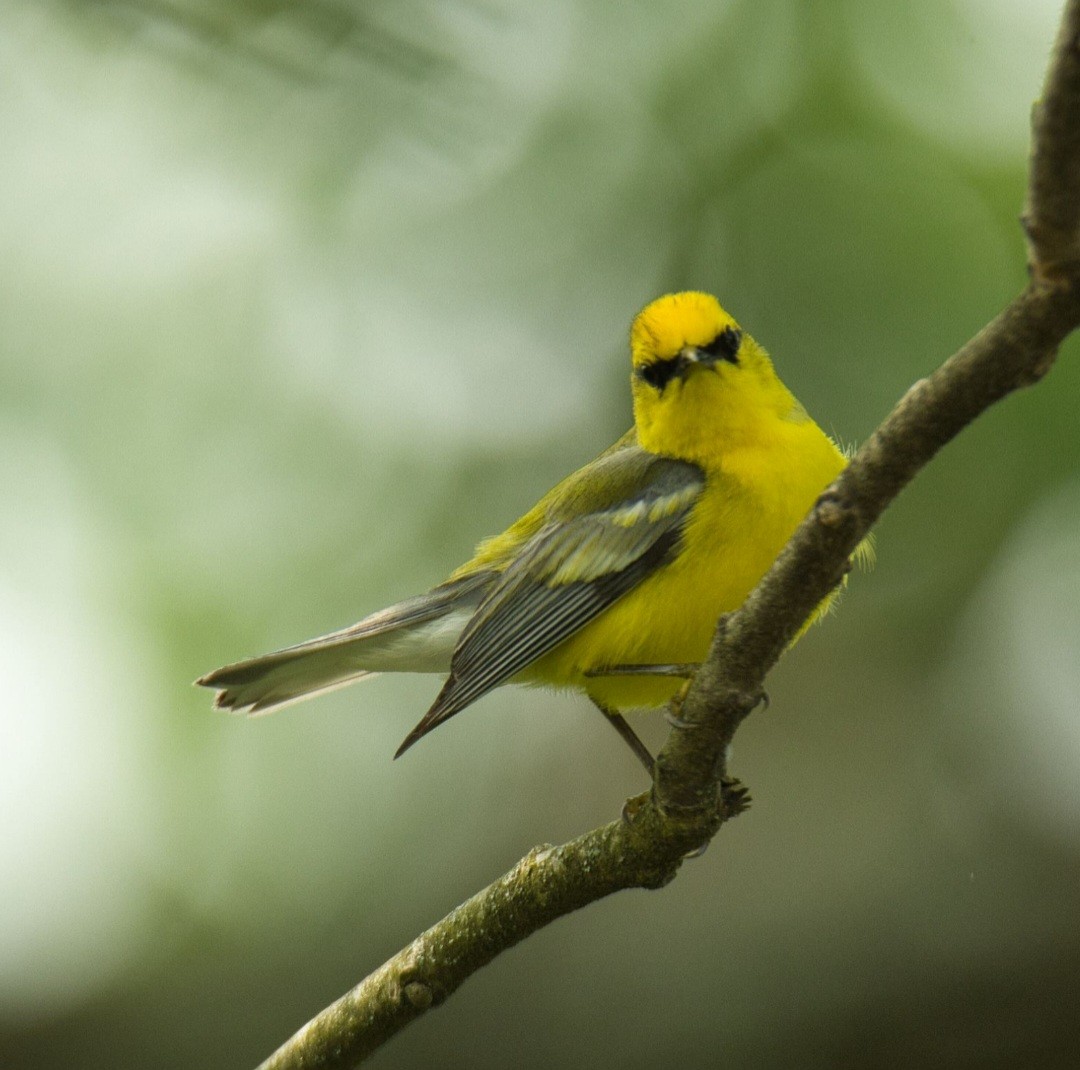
x: 417, y: 635
x: 261, y: 685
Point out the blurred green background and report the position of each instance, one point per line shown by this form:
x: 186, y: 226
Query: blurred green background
x: 297, y: 301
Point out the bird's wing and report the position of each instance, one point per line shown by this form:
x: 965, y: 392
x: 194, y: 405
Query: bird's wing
x: 615, y: 524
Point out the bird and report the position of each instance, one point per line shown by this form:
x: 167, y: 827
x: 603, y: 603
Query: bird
x: 613, y: 583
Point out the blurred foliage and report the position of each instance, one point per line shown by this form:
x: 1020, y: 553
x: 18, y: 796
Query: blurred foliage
x: 300, y: 300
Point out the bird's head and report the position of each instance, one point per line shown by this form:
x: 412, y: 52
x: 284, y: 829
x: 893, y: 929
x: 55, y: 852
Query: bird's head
x: 697, y: 377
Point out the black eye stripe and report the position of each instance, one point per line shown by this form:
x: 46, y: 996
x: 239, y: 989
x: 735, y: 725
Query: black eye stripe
x: 659, y: 373
x: 725, y: 346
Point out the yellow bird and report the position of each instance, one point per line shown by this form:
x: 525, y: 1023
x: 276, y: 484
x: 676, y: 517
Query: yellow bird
x: 613, y: 582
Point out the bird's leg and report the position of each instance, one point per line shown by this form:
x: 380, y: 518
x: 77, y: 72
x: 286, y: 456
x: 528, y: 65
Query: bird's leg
x: 683, y: 670
x: 629, y: 736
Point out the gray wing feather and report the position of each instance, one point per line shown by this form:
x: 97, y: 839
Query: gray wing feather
x: 567, y: 574
x: 526, y: 626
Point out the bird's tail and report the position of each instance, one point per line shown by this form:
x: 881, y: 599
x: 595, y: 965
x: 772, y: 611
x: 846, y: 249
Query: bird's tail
x: 417, y: 635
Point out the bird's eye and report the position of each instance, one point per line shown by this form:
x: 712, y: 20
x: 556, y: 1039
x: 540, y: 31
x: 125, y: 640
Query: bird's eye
x: 725, y: 346
x: 658, y: 373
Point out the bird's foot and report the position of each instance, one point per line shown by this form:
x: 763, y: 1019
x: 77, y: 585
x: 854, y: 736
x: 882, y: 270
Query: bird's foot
x: 632, y: 807
x: 734, y: 797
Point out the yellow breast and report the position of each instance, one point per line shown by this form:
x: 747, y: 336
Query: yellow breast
x: 755, y: 496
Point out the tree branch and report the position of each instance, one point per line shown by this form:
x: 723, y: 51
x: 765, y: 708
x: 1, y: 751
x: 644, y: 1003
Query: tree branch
x: 692, y: 797
x: 1052, y: 215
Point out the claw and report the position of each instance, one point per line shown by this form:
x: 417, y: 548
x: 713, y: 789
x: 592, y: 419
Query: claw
x: 632, y: 807
x: 734, y: 796
x: 676, y: 721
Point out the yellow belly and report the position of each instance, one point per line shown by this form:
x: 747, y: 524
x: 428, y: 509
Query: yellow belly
x: 745, y: 515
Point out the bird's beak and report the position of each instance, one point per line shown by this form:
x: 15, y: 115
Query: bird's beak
x: 722, y: 349
x: 692, y: 359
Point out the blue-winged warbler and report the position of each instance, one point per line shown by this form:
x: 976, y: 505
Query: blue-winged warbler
x: 613, y: 582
